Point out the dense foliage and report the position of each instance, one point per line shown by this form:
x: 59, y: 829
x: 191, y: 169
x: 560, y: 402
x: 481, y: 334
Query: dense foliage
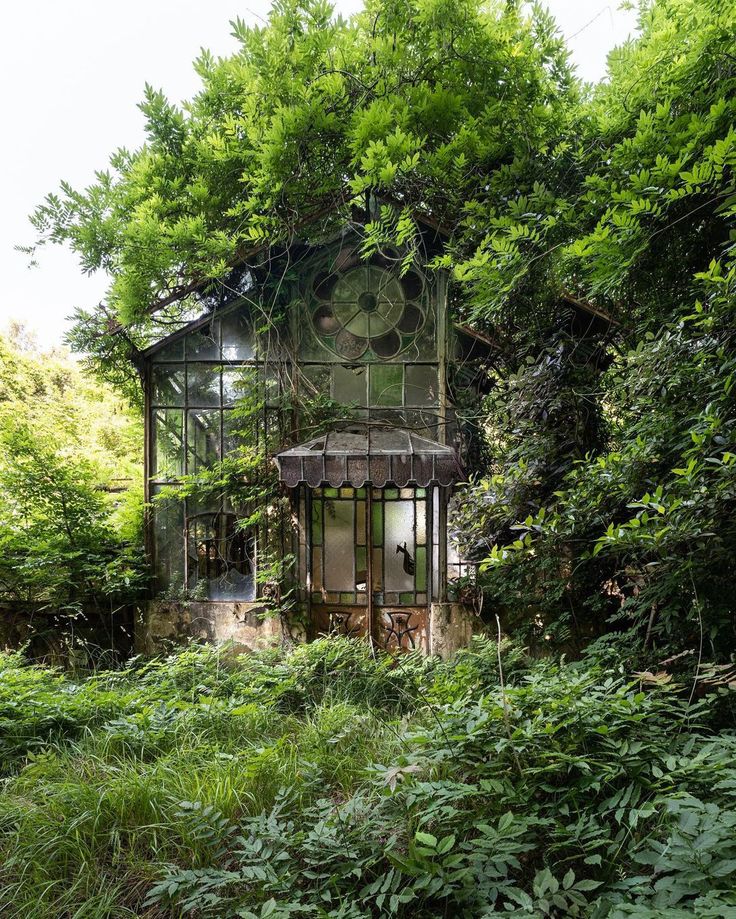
x: 613, y: 480
x: 329, y: 782
x: 70, y: 490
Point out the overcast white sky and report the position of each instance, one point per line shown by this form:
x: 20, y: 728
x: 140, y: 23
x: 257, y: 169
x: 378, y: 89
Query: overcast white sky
x: 73, y: 72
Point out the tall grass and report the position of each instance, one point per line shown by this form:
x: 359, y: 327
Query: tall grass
x: 330, y: 782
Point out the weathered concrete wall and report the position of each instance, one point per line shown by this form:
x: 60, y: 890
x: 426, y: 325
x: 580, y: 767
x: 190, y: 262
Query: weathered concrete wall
x: 164, y: 623
x: 451, y: 628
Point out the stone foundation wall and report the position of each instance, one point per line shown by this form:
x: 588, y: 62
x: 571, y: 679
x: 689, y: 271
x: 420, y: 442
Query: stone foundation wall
x: 164, y: 623
x: 451, y: 627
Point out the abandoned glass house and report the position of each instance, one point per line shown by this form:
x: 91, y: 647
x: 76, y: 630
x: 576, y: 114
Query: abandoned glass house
x: 350, y: 373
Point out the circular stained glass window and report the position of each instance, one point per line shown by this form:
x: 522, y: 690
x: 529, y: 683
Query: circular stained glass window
x: 367, y: 312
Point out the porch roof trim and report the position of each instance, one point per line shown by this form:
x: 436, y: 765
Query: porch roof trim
x: 357, y: 456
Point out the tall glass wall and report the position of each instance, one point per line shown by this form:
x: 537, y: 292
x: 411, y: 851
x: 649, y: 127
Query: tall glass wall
x: 194, y: 382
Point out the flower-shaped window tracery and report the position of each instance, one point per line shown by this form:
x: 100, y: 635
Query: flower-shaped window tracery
x: 367, y: 312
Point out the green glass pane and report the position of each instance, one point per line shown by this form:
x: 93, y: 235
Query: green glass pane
x: 390, y: 494
x: 420, y: 492
x: 347, y: 598
x: 331, y: 492
x: 360, y: 565
x: 360, y: 527
x: 377, y: 523
x: 406, y: 599
x: 420, y: 570
x: 360, y: 492
x: 316, y: 523
x: 349, y: 385
x: 386, y: 384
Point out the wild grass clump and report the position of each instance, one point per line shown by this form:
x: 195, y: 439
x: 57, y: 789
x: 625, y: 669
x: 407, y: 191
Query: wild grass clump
x: 332, y: 782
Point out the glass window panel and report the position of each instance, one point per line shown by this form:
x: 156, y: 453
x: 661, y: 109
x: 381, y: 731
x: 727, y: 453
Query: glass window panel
x: 330, y: 492
x: 203, y: 344
x: 377, y: 569
x: 339, y: 545
x: 386, y: 384
x: 317, y: 569
x: 317, y: 523
x: 221, y: 555
x: 203, y: 384
x: 168, y: 443
x: 420, y: 579
x: 360, y: 528
x: 168, y: 531
x: 406, y: 599
x: 235, y: 383
x: 272, y: 384
x: 349, y: 385
x: 399, y: 546
x: 361, y: 573
x: 302, y: 539
x: 421, y: 511
x: 236, y: 433
x: 421, y: 385
x: 377, y: 523
x: 174, y: 351
x: 390, y: 494
x: 315, y: 380
x: 422, y: 423
x: 203, y: 439
x: 237, y: 337
x: 167, y: 384
x: 346, y: 492
x: 347, y: 598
